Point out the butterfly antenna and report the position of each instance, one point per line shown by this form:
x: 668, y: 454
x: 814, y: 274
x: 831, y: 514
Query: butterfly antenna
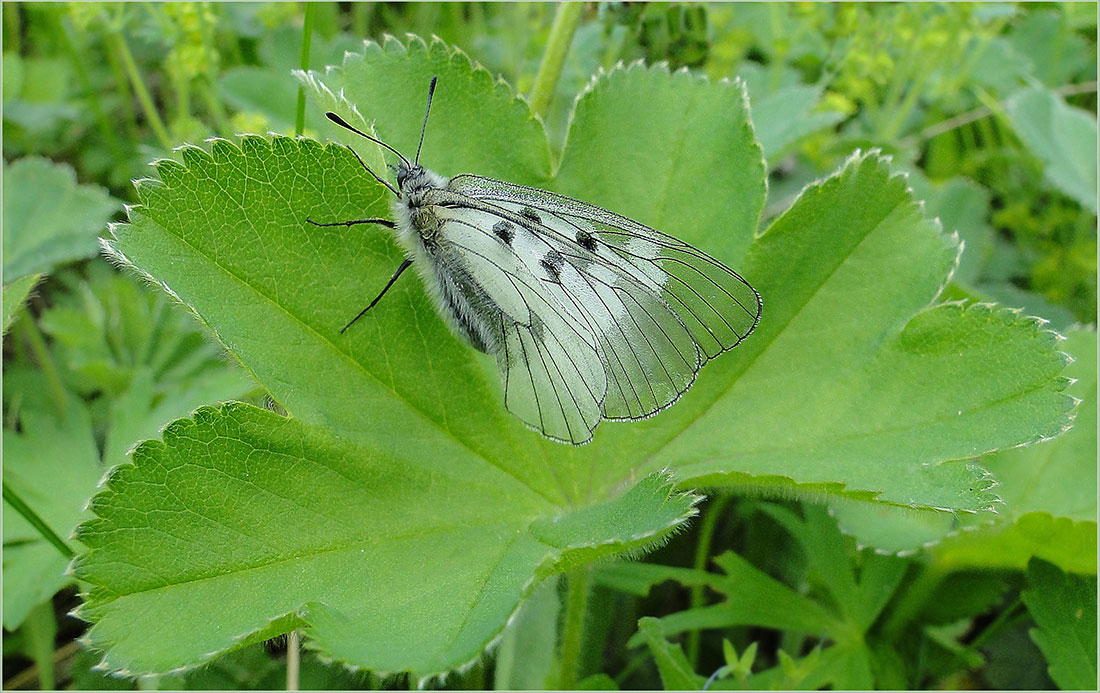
x: 344, y: 124
x: 424, y: 127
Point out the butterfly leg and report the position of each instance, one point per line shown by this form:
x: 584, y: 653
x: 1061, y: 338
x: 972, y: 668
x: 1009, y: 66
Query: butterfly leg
x: 404, y: 266
x: 381, y: 222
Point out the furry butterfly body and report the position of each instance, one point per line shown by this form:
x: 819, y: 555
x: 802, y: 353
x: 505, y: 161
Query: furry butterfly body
x: 590, y: 315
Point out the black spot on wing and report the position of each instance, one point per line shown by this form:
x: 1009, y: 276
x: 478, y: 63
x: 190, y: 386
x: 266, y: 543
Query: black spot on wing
x: 552, y: 262
x: 586, y: 240
x: 531, y: 214
x: 504, y: 231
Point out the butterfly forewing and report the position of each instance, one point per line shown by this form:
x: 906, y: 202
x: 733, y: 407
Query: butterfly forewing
x: 716, y: 304
x: 650, y: 309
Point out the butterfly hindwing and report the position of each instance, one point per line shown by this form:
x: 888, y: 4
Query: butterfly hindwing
x: 553, y: 377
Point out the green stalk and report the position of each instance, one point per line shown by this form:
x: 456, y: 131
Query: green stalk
x: 45, y: 361
x: 11, y: 28
x: 912, y: 599
x: 90, y: 94
x: 41, y: 630
x: 37, y: 522
x: 206, y: 85
x: 576, y: 605
x: 214, y: 106
x: 1007, y: 616
x: 123, y: 85
x: 307, y: 38
x: 360, y: 18
x: 566, y: 19
x: 118, y: 42
x: 702, y: 555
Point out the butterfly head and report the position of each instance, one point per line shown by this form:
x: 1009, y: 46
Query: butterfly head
x: 412, y: 178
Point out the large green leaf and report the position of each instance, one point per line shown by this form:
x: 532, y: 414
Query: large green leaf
x: 401, y: 513
x: 314, y: 530
x: 48, y: 218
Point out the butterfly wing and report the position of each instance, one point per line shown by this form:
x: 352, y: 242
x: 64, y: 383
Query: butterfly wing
x: 553, y: 377
x: 716, y: 304
x: 648, y: 308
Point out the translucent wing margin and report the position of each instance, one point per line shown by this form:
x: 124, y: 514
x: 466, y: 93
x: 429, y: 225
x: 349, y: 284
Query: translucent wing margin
x: 718, y: 307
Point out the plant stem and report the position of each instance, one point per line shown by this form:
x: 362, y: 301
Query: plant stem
x: 12, y: 28
x: 576, y: 605
x: 41, y: 352
x: 37, y: 522
x: 210, y: 79
x: 307, y: 38
x: 702, y: 555
x: 24, y: 678
x: 90, y: 93
x: 566, y: 19
x: 126, y: 99
x: 40, y: 629
x: 118, y: 41
x: 1007, y: 616
x: 360, y: 18
x: 912, y: 600
x: 293, y: 660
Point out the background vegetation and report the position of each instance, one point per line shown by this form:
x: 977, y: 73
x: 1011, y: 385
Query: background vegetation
x: 988, y: 108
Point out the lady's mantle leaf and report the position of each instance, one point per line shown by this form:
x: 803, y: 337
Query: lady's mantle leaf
x: 389, y: 564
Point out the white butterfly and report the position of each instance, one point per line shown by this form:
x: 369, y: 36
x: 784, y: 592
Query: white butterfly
x: 590, y: 315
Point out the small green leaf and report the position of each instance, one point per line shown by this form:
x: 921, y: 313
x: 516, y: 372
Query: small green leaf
x: 676, y: 672
x: 15, y: 295
x: 1064, y: 608
x: 108, y: 328
x: 48, y: 218
x: 785, y: 114
x: 1058, y: 54
x: 478, y: 124
x: 53, y: 465
x: 1063, y: 138
x: 752, y: 598
x: 683, y: 130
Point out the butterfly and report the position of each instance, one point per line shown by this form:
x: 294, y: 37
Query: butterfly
x: 590, y: 315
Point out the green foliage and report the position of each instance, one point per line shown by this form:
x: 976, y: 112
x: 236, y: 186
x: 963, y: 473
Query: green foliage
x: 392, y: 511
x: 49, y: 219
x: 53, y: 465
x: 240, y: 289
x: 1064, y: 608
x: 1063, y: 138
x: 15, y: 295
